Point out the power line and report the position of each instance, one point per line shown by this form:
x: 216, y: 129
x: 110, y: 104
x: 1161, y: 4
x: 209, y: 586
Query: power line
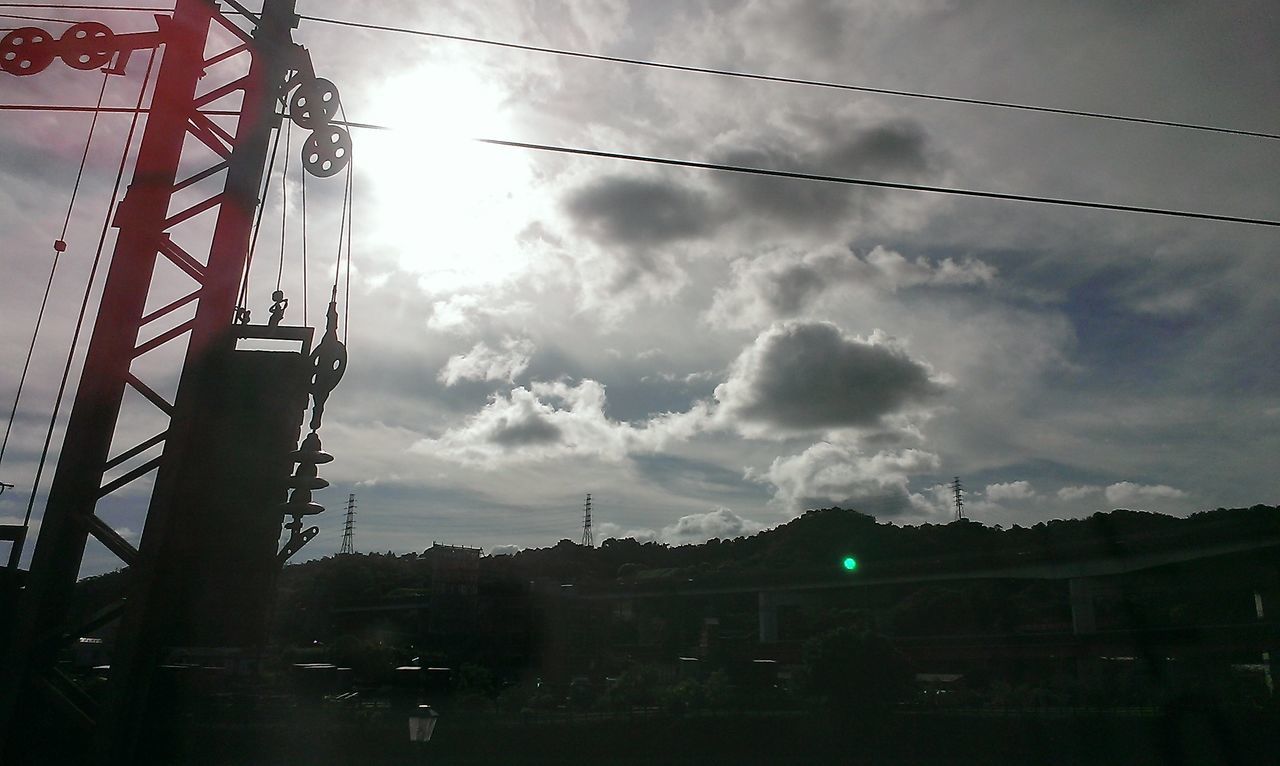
x: 788, y: 174
x: 85, y: 7
x: 878, y: 184
x: 743, y: 75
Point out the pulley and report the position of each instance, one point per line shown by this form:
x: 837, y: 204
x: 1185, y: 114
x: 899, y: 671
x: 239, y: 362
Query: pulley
x: 87, y: 45
x: 26, y: 50
x: 326, y: 151
x: 314, y: 104
x: 328, y: 364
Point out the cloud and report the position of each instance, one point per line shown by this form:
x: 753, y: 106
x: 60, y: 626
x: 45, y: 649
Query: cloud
x: 464, y: 312
x: 699, y: 527
x: 505, y: 550
x: 1014, y: 490
x: 785, y: 284
x: 640, y: 212
x: 720, y: 523
x: 608, y: 529
x: 555, y: 420
x: 895, y: 148
x: 522, y: 424
x: 807, y: 376
x: 1071, y: 494
x: 829, y: 473
x: 1126, y: 493
x: 483, y: 363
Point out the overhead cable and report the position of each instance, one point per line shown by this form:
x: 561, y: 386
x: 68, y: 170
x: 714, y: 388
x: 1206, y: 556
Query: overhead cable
x: 802, y: 176
x: 879, y: 184
x: 743, y: 75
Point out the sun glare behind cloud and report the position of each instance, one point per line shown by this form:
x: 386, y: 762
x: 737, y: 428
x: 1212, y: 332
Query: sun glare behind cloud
x: 449, y: 208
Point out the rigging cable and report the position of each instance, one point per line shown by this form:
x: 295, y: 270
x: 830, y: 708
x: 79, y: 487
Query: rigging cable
x: 351, y: 225
x: 59, y: 246
x: 284, y: 199
x: 738, y: 74
x: 88, y: 289
x: 302, y: 172
x: 242, y: 304
x: 342, y: 230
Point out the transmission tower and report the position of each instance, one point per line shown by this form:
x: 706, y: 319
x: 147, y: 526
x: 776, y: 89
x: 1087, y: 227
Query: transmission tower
x: 587, y: 538
x: 348, y: 530
x: 957, y: 493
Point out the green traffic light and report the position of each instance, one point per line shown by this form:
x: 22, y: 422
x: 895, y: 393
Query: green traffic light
x: 850, y: 563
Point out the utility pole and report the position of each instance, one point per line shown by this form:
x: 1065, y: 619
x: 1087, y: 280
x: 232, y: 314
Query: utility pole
x: 349, y: 528
x: 957, y: 493
x: 587, y: 538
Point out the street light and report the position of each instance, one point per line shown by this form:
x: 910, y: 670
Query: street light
x: 422, y: 722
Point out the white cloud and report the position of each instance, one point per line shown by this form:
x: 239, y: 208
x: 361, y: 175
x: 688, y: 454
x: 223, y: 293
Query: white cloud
x: 552, y: 420
x: 1014, y: 490
x: 1071, y: 494
x: 484, y: 363
x: 693, y: 528
x: 464, y: 312
x: 1169, y: 303
x: 529, y: 423
x: 609, y: 529
x: 836, y: 473
x: 700, y: 527
x: 784, y: 283
x: 505, y: 550
x: 1127, y: 493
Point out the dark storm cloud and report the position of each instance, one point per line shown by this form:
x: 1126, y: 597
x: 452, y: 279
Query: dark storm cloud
x: 638, y: 212
x: 695, y: 478
x: 811, y: 375
x: 793, y: 287
x: 529, y: 429
x: 899, y: 150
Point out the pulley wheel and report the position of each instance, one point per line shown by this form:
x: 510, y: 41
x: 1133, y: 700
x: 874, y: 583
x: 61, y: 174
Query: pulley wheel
x: 26, y: 50
x: 314, y: 103
x: 326, y: 151
x: 87, y: 45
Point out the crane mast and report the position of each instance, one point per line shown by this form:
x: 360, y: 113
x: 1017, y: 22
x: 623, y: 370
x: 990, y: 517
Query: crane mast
x: 220, y: 466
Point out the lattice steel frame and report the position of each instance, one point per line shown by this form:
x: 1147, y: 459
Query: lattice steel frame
x: 146, y: 235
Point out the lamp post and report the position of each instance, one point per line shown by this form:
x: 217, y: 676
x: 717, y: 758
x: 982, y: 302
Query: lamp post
x: 422, y: 722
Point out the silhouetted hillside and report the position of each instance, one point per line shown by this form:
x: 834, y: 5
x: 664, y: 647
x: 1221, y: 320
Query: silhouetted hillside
x: 806, y: 549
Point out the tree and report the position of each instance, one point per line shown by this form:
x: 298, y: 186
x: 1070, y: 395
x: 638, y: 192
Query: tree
x: 855, y: 670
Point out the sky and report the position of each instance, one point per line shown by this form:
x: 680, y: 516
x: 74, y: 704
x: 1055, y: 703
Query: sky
x: 711, y: 354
